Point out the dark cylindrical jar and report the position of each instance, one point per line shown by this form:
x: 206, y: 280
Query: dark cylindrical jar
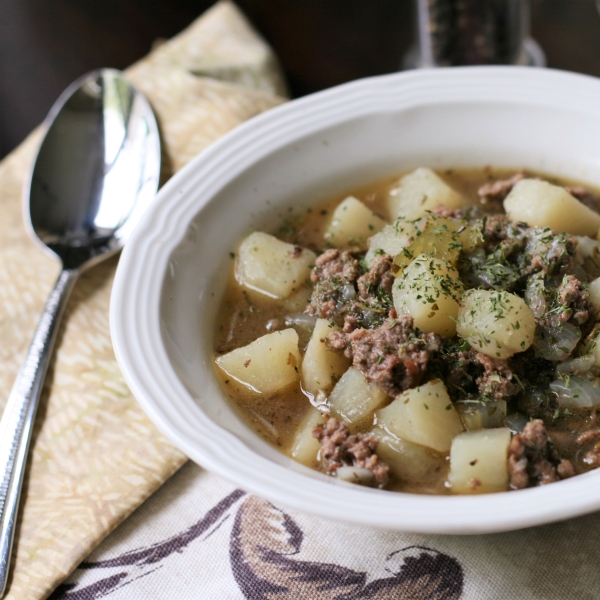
x: 472, y: 32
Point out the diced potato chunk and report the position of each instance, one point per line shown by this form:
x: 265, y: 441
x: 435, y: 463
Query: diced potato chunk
x: 498, y: 324
x: 477, y: 414
x: 423, y: 415
x: 541, y: 204
x: 595, y: 293
x: 321, y: 367
x: 266, y: 365
x: 419, y: 192
x: 304, y: 446
x: 271, y: 266
x: 353, y: 398
x: 442, y: 237
x: 479, y: 461
x: 428, y: 290
x: 409, y: 461
x: 352, y: 224
x: 392, y: 239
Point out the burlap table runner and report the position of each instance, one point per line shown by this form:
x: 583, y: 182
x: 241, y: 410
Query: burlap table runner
x: 95, y: 455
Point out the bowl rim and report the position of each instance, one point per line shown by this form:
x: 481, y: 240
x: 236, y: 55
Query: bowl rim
x: 135, y: 306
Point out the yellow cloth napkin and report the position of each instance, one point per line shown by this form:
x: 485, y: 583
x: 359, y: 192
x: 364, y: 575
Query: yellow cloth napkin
x: 95, y: 455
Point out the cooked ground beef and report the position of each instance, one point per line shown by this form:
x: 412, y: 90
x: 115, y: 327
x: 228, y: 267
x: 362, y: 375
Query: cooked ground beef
x: 394, y: 356
x: 342, y: 296
x: 494, y: 192
x: 593, y: 435
x: 453, y: 213
x: 496, y: 381
x: 468, y: 373
x: 449, y: 213
x: 533, y: 460
x: 379, y: 276
x: 334, y: 275
x: 339, y: 448
x: 575, y: 302
x: 592, y: 457
x: 335, y: 264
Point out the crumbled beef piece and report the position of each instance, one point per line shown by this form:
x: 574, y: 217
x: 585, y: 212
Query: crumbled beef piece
x: 592, y: 435
x: 575, y: 303
x: 584, y: 196
x: 496, y: 380
x: 449, y: 213
x: 334, y: 275
x: 592, y: 457
x: 351, y: 322
x: 471, y: 374
x: 335, y: 296
x: 394, y: 355
x: 565, y: 469
x: 340, y: 448
x: 494, y: 192
x: 338, y: 340
x: 463, y: 213
x: 533, y: 460
x: 380, y: 276
x: 335, y: 264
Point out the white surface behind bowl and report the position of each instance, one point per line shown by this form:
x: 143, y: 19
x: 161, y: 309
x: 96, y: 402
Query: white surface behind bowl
x: 173, y: 271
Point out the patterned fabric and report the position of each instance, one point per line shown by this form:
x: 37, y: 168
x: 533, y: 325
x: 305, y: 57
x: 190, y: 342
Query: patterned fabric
x: 200, y: 538
x: 95, y: 455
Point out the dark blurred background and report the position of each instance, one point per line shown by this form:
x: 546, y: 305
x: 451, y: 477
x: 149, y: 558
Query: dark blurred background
x: 45, y: 44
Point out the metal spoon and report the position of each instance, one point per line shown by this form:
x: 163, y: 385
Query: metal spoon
x: 96, y: 172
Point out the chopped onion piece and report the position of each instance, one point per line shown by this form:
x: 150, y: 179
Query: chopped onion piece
x: 534, y: 295
x: 577, y: 391
x: 348, y: 292
x: 581, y: 364
x: 516, y: 422
x: 556, y: 342
x: 300, y: 320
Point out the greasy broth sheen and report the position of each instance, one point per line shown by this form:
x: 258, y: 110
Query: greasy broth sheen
x: 245, y: 314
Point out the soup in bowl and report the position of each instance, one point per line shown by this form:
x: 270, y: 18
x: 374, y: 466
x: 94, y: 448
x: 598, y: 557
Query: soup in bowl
x: 168, y: 297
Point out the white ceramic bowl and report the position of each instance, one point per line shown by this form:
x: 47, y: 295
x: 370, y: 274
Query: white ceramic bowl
x: 174, y: 269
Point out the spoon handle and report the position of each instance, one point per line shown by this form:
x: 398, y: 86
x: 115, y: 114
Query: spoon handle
x: 17, y: 420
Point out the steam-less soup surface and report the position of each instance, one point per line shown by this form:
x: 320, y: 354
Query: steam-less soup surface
x: 432, y: 333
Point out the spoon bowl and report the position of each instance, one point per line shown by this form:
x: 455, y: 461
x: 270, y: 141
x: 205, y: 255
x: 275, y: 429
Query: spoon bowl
x: 96, y: 172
